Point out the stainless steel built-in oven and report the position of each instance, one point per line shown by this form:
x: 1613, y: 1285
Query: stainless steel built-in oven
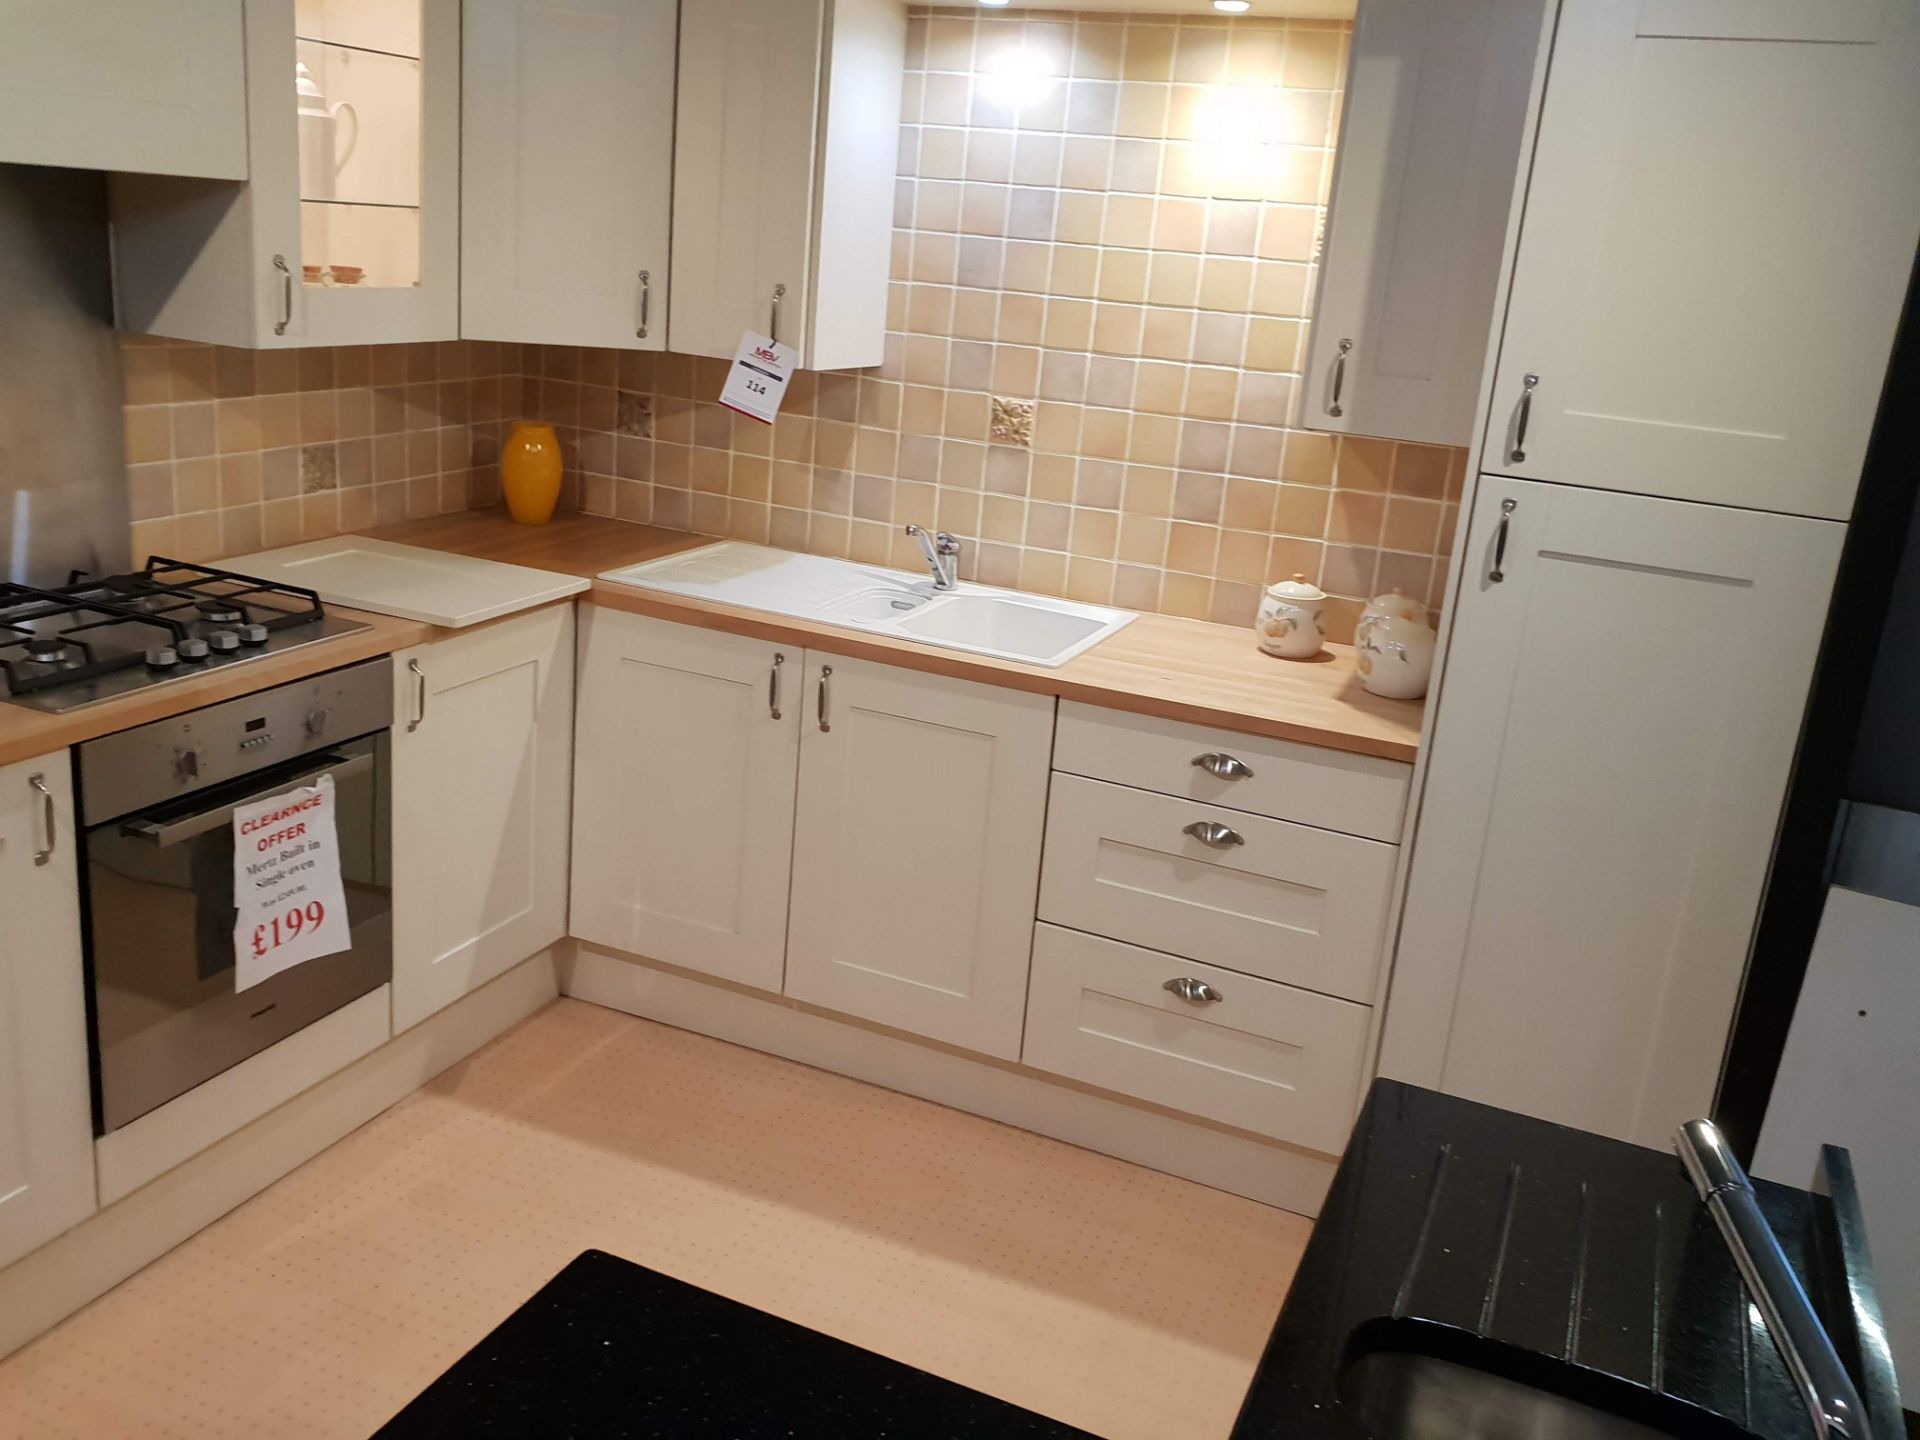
x: 156, y: 806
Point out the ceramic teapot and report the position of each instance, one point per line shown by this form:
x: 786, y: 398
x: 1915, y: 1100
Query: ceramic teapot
x: 1289, y: 621
x: 1395, y: 657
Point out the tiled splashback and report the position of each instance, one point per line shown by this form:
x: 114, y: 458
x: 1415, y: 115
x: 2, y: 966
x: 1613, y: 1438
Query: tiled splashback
x: 231, y: 450
x: 1103, y: 257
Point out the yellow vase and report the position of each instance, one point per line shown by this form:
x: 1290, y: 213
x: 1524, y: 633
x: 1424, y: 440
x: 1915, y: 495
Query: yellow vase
x: 530, y: 472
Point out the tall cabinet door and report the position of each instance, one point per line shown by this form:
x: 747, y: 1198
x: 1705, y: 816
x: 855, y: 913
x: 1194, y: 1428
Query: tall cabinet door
x: 743, y: 177
x: 917, y: 850
x: 482, y: 791
x: 1428, y: 161
x: 1612, y: 746
x: 683, y: 818
x: 567, y: 171
x: 1722, y: 213
x: 46, y: 1113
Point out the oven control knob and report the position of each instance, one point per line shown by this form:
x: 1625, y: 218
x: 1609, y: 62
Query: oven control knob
x: 186, y: 764
x: 253, y: 634
x: 317, y: 722
x: 163, y: 657
x: 192, y: 648
x: 225, y: 642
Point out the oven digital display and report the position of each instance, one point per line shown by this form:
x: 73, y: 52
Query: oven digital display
x: 253, y: 725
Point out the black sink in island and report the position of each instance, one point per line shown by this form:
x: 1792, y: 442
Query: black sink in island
x: 1476, y: 1273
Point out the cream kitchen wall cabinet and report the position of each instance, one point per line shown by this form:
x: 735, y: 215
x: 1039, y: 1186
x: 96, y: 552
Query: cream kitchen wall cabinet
x: 1436, y: 108
x: 347, y: 230
x: 921, y: 809
x: 567, y: 171
x: 1621, y: 707
x: 482, y: 800
x: 1719, y: 225
x: 46, y: 1107
x: 689, y: 744
x: 156, y: 86
x: 786, y: 148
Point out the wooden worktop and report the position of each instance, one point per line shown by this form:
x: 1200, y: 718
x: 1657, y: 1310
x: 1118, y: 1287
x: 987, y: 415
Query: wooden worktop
x: 1158, y: 665
x: 25, y: 734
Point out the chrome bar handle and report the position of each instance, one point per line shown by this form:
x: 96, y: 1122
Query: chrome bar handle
x: 1222, y: 766
x: 1339, y: 379
x: 773, y: 314
x: 47, y: 820
x: 1499, y: 571
x: 286, y: 294
x: 1519, y: 451
x: 646, y: 304
x: 419, y: 696
x: 1212, y: 832
x: 826, y: 676
x: 1804, y: 1344
x: 1194, y: 992
x: 773, y: 685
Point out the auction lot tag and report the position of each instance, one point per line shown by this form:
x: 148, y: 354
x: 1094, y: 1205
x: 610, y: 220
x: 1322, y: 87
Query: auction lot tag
x: 286, y: 883
x: 757, y: 383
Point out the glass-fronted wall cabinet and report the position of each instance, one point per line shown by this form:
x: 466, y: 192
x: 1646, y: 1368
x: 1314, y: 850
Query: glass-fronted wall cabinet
x: 347, y: 232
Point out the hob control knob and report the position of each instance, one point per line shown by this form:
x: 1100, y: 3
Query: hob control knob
x: 253, y: 634
x: 193, y: 648
x: 163, y: 657
x: 224, y: 642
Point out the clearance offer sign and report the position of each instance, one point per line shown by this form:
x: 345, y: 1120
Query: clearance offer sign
x: 286, y: 884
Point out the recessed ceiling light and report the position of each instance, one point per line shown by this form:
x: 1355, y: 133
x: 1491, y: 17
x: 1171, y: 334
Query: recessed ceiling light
x: 996, y: 3
x: 1230, y: 7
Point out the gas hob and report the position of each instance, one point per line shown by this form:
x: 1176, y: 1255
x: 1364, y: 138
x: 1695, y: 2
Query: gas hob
x: 98, y: 639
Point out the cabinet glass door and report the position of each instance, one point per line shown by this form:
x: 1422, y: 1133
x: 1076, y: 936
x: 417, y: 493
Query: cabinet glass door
x: 358, y: 99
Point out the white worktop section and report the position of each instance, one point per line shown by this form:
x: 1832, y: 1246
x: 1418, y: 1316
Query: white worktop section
x: 408, y: 582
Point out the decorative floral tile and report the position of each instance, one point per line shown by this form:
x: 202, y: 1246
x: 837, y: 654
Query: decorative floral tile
x: 319, y: 468
x: 1012, y: 422
x: 635, y: 415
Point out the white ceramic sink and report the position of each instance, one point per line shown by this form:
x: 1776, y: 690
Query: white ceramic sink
x: 1008, y: 625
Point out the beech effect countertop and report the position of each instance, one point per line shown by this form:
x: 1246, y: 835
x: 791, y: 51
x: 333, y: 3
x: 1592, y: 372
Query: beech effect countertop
x: 1159, y: 665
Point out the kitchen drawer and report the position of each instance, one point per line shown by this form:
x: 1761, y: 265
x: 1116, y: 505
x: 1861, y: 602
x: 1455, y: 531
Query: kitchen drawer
x: 1290, y: 903
x: 1262, y: 1057
x: 1359, y: 794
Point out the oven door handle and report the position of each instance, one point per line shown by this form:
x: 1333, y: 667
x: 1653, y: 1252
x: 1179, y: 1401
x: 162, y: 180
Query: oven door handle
x: 174, y: 831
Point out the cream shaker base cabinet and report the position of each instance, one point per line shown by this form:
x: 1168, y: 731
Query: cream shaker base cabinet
x: 347, y: 229
x: 157, y: 86
x: 1263, y: 1057
x: 921, y: 806
x: 46, y: 1109
x: 482, y: 791
x: 566, y: 170
x: 1614, y: 735
x: 1428, y: 165
x: 786, y: 148
x: 1697, y: 162
x: 689, y: 747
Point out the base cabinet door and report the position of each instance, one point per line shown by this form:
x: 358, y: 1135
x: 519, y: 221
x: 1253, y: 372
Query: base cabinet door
x: 683, y: 818
x: 566, y: 171
x: 46, y: 1110
x: 482, y: 792
x: 1614, y: 736
x: 917, y: 850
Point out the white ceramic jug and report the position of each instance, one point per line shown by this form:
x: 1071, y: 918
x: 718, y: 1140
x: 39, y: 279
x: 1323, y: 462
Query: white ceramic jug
x: 320, y: 157
x: 1395, y: 657
x: 1289, y: 622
